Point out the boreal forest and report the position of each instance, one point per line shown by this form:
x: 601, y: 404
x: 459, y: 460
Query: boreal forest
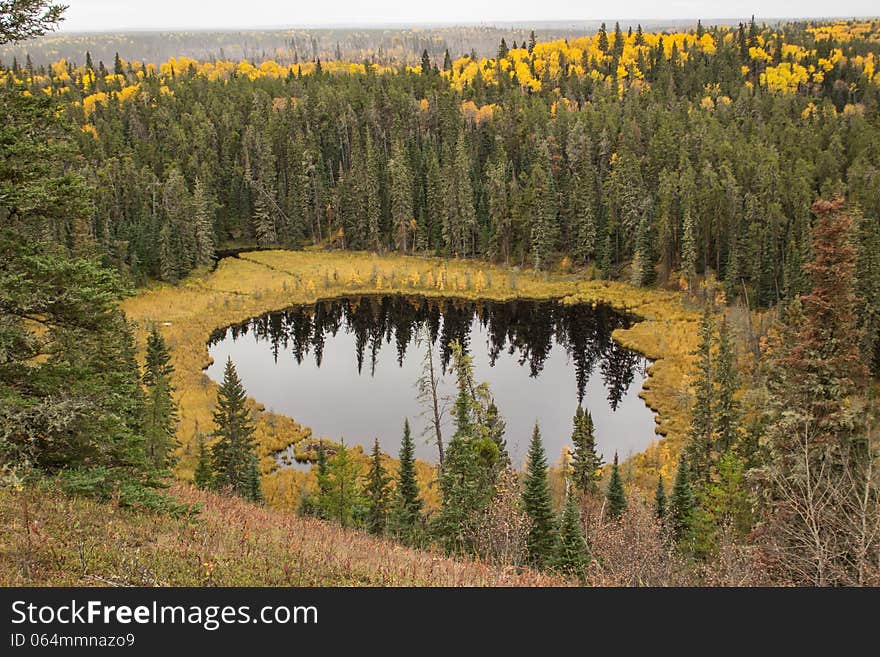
x: 716, y: 185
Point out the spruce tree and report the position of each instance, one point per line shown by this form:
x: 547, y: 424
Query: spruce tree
x: 540, y: 196
x: 232, y: 454
x: 203, y: 475
x: 682, y: 504
x: 615, y: 494
x: 570, y: 556
x: 585, y: 461
x: 644, y: 271
x: 401, y: 196
x: 160, y: 409
x: 204, y: 225
x: 322, y: 479
x: 660, y: 500
x: 376, y: 492
x: 464, y: 486
x: 700, y: 447
x: 407, y: 504
x: 726, y: 410
x: 254, y: 490
x: 603, y: 39
x: 537, y: 504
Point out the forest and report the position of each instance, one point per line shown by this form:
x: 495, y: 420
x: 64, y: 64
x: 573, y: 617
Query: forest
x: 735, y: 166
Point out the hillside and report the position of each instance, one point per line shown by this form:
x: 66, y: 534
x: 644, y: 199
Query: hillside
x: 49, y: 539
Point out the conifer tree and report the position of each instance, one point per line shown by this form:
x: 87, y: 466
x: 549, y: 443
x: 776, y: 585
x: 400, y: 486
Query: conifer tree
x: 376, y: 492
x: 204, y: 225
x: 682, y: 504
x: 570, y: 557
x: 254, y: 488
x: 407, y: 504
x: 818, y: 454
x: 542, y: 207
x: 660, y: 500
x: 537, y: 504
x: 603, y: 39
x: 160, y: 409
x: 700, y: 446
x: 463, y: 482
x: 342, y: 495
x: 322, y: 478
x: 401, y: 196
x: 459, y: 217
x: 371, y: 192
x: 233, y: 451
x: 585, y: 461
x: 615, y: 494
x: 203, y: 475
x: 726, y: 410
x: 644, y: 272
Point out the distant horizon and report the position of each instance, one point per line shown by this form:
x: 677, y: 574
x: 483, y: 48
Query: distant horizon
x: 429, y: 24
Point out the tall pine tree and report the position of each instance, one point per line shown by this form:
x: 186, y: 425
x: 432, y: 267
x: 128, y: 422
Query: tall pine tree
x: 234, y: 450
x: 585, y: 461
x: 537, y: 504
x: 376, y: 492
x: 615, y: 494
x: 407, y: 507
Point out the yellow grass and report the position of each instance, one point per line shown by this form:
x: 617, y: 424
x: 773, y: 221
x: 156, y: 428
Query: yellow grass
x: 260, y: 282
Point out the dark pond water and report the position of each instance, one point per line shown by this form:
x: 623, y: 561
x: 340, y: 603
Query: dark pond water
x: 348, y: 368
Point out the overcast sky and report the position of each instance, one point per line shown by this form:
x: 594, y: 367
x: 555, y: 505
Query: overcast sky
x: 105, y: 15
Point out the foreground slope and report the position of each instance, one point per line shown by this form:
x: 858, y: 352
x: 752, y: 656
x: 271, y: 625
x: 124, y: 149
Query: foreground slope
x: 48, y: 539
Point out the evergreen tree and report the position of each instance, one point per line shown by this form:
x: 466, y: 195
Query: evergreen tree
x: 376, y: 492
x: 342, y: 495
x: 541, y: 205
x: 682, y: 504
x: 459, y: 217
x: 615, y: 494
x: 401, y: 196
x: 204, y: 225
x: 603, y: 39
x: 570, y: 557
x: 323, y: 481
x: 537, y: 504
x: 447, y: 61
x: 660, y: 500
x: 585, y: 461
x: 407, y: 506
x: 644, y: 272
x: 232, y: 453
x: 700, y: 446
x: 160, y: 411
x: 464, y: 485
x: 726, y: 411
x: 203, y: 475
x: 254, y: 489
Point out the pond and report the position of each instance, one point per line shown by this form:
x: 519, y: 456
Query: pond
x: 348, y: 368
